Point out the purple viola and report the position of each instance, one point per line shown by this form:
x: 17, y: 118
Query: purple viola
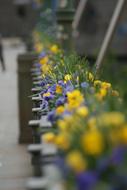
x: 86, y: 180
x: 60, y: 101
x: 84, y: 85
x: 52, y: 116
x: 42, y: 54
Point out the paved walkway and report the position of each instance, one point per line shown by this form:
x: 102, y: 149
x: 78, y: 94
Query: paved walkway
x: 14, y: 161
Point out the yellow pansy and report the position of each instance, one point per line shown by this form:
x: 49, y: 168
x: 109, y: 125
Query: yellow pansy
x: 111, y: 119
x: 82, y: 111
x: 60, y: 110
x: 46, y: 68
x: 46, y: 94
x: 66, y: 123
x: 90, y: 76
x: 123, y: 134
x: 76, y: 161
x: 75, y: 95
x: 97, y: 82
x: 92, y: 142
x: 67, y: 77
x: 106, y: 85
x: 48, y: 137
x: 73, y: 105
x: 44, y: 60
x: 75, y: 99
x: 62, y: 125
x: 59, y: 89
x: 115, y: 137
x: 62, y: 141
x: 38, y: 47
x: 92, y: 123
x: 54, y: 49
x: 103, y: 92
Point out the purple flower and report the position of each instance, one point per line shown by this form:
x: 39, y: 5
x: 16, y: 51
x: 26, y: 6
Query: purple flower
x: 67, y: 113
x: 42, y: 92
x: 69, y: 87
x: 51, y: 116
x: 60, y: 162
x: 86, y: 180
x: 44, y: 105
x: 42, y: 83
x: 42, y: 54
x: 84, y: 85
x: 50, y: 97
x: 52, y: 89
x: 60, y: 101
x: 117, y: 155
x: 38, y: 65
x: 61, y: 83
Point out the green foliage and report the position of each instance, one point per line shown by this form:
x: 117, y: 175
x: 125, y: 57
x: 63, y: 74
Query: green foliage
x: 115, y: 70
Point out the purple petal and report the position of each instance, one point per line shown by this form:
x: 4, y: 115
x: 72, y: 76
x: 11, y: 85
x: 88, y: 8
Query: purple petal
x: 86, y: 180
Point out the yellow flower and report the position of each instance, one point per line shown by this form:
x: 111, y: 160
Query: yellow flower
x: 123, y: 134
x: 62, y: 125
x: 92, y: 142
x: 115, y: 137
x: 97, y: 82
x: 67, y: 77
x: 48, y: 137
x: 73, y: 105
x: 66, y: 123
x: 46, y: 94
x: 101, y: 94
x: 92, y: 123
x: 60, y: 110
x: 59, y: 89
x: 115, y: 93
x: 105, y: 85
x: 90, y: 76
x: 76, y: 161
x: 46, y: 69
x: 75, y: 99
x: 44, y: 60
x: 54, y: 49
x: 82, y: 111
x: 38, y: 47
x: 62, y: 141
x: 111, y: 119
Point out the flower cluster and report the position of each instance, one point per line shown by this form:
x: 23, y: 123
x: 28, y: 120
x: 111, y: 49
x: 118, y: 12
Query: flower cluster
x: 90, y: 128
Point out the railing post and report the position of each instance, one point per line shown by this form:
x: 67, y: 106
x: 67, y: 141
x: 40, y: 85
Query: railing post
x: 65, y: 15
x: 25, y: 62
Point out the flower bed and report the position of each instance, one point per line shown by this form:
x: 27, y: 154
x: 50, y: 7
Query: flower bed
x: 88, y: 124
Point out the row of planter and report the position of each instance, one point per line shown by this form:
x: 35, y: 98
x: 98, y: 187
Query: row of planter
x: 79, y: 127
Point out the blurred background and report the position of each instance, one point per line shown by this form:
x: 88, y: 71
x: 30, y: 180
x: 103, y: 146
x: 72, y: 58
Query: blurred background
x: 19, y: 17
